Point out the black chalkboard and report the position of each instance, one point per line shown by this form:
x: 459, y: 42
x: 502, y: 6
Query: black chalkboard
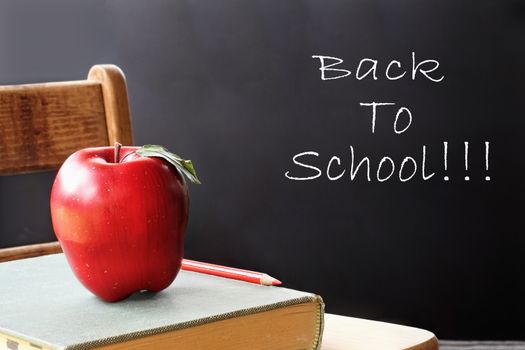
x: 233, y: 86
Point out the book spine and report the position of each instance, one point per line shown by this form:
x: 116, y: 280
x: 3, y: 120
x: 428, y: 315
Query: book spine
x: 319, y: 325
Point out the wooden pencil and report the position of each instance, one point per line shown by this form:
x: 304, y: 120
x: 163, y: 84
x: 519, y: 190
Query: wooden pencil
x: 230, y: 272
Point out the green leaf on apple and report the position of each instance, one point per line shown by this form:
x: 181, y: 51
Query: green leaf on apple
x: 183, y: 165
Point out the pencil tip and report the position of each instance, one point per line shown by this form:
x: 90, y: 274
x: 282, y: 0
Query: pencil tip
x: 267, y: 280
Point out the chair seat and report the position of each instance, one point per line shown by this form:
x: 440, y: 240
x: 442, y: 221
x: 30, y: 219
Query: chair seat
x: 351, y: 333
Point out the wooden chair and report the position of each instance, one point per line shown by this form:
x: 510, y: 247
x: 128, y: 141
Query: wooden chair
x: 42, y: 124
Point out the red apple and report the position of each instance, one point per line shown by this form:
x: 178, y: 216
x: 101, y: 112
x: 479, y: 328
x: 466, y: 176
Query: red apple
x: 120, y: 218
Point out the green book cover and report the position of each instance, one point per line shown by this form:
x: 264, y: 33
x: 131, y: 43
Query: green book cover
x: 42, y: 303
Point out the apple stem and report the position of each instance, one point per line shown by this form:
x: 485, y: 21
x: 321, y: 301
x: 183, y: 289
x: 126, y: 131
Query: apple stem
x: 117, y: 151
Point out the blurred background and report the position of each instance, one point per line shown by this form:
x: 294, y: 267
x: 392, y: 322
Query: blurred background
x: 231, y: 85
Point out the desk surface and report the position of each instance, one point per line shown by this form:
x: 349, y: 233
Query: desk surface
x: 350, y: 333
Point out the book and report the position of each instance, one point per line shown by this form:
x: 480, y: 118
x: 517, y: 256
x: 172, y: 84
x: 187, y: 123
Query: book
x: 43, y: 306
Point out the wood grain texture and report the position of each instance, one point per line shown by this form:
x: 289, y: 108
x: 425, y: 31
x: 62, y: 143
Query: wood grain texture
x: 42, y: 124
x: 29, y: 251
x: 116, y: 104
x: 349, y: 333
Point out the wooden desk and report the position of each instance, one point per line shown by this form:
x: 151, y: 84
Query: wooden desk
x: 340, y: 332
x: 349, y: 333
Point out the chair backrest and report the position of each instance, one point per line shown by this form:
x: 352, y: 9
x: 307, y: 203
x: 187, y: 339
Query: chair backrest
x: 42, y: 124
